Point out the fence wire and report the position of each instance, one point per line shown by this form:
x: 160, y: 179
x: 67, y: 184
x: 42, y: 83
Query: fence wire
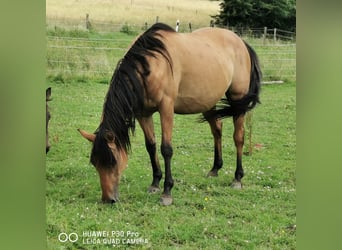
x: 94, y: 57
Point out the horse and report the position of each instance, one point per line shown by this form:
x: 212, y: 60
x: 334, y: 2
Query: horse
x: 48, y: 116
x: 210, y: 71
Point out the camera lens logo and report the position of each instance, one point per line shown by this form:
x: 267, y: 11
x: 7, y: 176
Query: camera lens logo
x: 72, y: 237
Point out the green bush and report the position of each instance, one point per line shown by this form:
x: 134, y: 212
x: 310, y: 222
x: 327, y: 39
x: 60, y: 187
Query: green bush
x: 127, y: 29
x: 61, y: 32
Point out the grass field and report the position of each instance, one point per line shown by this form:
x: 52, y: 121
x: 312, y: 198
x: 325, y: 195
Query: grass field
x: 207, y: 213
x: 135, y: 12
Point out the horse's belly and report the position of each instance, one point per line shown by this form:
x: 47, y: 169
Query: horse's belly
x: 188, y: 105
x: 197, y: 101
x: 200, y: 91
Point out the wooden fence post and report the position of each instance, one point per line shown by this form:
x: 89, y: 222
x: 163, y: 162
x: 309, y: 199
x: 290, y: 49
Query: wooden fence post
x: 275, y: 34
x: 190, y: 28
x: 88, y: 24
x: 265, y: 34
x: 157, y: 19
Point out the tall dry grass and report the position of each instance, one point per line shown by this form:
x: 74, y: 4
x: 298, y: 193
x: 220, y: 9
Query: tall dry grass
x: 134, y: 11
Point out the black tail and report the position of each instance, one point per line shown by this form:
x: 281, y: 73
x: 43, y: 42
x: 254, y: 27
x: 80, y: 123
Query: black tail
x: 229, y: 107
x: 255, y: 81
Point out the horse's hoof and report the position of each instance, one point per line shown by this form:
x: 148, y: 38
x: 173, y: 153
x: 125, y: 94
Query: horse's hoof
x: 153, y: 189
x: 236, y: 184
x: 212, y: 174
x: 166, y: 200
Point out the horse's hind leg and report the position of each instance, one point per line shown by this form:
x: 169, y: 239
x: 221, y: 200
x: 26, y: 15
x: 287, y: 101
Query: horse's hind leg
x: 239, y: 141
x: 146, y: 124
x: 216, y: 130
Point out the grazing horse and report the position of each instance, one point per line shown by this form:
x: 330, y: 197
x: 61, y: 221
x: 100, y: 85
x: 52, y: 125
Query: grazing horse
x: 48, y: 116
x: 168, y: 72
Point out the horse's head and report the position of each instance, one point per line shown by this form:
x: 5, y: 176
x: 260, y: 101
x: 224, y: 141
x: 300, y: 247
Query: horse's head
x: 109, y: 161
x: 48, y: 98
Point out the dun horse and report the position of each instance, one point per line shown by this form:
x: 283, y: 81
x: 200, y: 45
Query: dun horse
x: 169, y: 72
x: 48, y: 98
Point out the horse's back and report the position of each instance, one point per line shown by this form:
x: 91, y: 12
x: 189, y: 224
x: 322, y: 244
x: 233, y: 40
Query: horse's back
x: 205, y: 64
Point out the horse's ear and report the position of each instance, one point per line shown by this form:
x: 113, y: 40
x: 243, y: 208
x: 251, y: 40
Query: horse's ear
x: 90, y: 137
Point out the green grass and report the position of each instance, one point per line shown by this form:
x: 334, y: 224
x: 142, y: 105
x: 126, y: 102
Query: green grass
x: 83, y: 56
x: 207, y: 213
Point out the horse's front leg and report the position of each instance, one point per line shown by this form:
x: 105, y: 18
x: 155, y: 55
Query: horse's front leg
x: 166, y: 118
x: 239, y: 141
x: 146, y: 123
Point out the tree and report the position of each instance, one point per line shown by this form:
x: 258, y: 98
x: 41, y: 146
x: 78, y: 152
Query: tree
x: 257, y: 13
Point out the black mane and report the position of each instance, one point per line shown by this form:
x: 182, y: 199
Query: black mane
x: 125, y: 98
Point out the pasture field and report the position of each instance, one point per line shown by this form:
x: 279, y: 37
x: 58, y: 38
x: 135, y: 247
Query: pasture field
x: 71, y: 14
x: 207, y: 213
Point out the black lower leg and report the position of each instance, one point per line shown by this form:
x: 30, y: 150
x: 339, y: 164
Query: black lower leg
x: 216, y: 130
x: 167, y: 151
x: 217, y: 162
x: 239, y: 141
x: 239, y: 173
x: 157, y: 173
